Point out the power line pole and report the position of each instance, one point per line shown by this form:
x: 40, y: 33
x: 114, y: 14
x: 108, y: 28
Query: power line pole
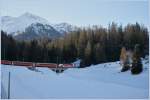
x: 9, y: 86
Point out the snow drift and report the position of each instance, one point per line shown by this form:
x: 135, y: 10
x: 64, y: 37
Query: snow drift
x: 98, y: 81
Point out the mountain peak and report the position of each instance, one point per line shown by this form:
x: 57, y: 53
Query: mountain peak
x: 18, y: 24
x: 30, y: 15
x: 27, y: 13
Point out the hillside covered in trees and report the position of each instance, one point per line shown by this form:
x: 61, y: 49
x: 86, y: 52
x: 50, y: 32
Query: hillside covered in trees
x: 92, y: 45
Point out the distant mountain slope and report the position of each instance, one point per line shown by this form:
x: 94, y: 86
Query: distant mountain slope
x: 64, y: 27
x: 29, y: 26
x: 18, y: 24
x: 38, y: 30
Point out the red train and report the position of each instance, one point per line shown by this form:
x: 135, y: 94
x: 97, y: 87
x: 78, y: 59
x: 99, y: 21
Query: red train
x: 6, y: 62
x: 31, y: 64
x: 19, y: 63
x: 49, y: 65
x: 68, y: 65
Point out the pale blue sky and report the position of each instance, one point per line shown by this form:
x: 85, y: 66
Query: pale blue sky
x: 81, y: 12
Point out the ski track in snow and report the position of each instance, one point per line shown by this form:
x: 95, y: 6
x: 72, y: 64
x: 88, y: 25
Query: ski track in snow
x: 3, y: 92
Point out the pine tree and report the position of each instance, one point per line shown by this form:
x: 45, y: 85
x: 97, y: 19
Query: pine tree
x: 32, y: 50
x: 82, y: 43
x: 123, y: 56
x: 136, y: 64
x: 126, y: 65
x: 87, y: 54
x: 125, y: 59
x: 99, y: 54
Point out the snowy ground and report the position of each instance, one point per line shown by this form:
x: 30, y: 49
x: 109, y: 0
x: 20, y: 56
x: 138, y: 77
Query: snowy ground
x: 98, y: 81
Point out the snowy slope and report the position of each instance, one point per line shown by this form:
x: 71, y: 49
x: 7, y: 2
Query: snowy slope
x: 64, y: 27
x: 98, y: 81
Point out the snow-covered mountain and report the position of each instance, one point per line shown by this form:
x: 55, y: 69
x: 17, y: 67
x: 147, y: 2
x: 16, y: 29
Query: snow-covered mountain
x: 18, y: 26
x: 64, y: 27
x: 38, y: 30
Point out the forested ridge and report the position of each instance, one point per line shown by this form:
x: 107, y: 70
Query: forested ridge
x: 92, y: 45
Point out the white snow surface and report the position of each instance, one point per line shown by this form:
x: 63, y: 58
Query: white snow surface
x: 97, y: 81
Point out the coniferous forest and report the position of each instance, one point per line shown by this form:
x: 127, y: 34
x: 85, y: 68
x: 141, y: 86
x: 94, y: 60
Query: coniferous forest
x: 92, y: 45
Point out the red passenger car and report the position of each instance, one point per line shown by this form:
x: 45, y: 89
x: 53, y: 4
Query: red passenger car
x: 68, y: 65
x: 6, y: 62
x: 49, y: 65
x: 19, y: 63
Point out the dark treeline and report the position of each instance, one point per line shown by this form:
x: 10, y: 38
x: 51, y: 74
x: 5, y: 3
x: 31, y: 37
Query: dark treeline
x: 92, y: 45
